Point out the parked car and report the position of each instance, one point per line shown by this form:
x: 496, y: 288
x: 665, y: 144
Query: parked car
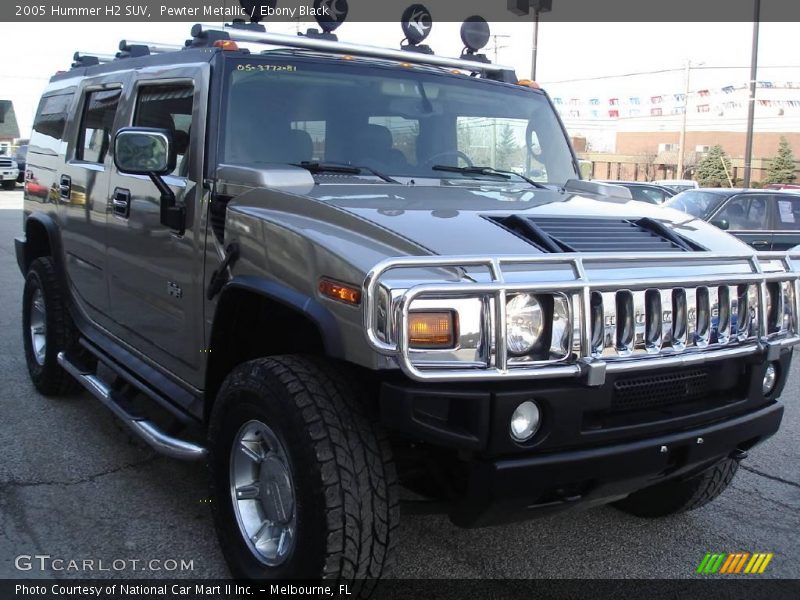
x: 782, y: 186
x: 677, y: 185
x: 8, y: 172
x: 20, y: 157
x: 645, y: 192
x: 765, y: 219
x: 320, y: 318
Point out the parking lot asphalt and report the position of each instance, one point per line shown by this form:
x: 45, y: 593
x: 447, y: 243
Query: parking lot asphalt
x: 73, y: 485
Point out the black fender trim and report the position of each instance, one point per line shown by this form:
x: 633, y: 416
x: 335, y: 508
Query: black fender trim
x: 54, y: 238
x: 305, y: 305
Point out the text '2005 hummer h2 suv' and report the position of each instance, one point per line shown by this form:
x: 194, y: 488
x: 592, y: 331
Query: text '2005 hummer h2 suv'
x: 331, y: 269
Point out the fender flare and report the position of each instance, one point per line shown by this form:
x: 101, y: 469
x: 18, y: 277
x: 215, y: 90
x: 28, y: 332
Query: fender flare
x: 54, y: 240
x: 305, y: 305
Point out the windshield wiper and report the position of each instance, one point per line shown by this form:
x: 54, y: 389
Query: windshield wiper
x: 334, y: 167
x: 491, y: 171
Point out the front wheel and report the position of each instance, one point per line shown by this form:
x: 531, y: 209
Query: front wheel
x: 302, y: 480
x: 47, y: 328
x: 9, y: 185
x: 681, y: 495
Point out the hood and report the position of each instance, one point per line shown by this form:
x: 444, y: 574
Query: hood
x: 474, y: 219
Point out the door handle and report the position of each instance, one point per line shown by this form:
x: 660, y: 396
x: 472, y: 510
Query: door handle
x: 121, y: 203
x: 65, y: 187
x: 760, y: 244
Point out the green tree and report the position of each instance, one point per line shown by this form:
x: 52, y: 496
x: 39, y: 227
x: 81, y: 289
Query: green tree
x: 506, y: 147
x: 781, y: 168
x: 714, y: 169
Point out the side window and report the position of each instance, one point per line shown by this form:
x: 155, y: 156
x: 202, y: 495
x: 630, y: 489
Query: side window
x: 746, y: 213
x: 788, y: 213
x: 168, y: 107
x: 97, y: 121
x: 50, y: 122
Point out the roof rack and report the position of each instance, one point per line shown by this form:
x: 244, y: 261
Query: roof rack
x: 202, y: 32
x: 85, y: 59
x: 130, y: 48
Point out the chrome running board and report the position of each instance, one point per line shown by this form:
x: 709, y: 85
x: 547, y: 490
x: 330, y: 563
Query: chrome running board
x: 147, y: 430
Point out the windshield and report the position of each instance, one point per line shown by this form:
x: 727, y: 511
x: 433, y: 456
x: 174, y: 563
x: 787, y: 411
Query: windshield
x: 698, y: 204
x: 396, y: 121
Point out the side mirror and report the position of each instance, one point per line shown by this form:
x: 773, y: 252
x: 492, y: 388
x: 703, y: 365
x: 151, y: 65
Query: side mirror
x: 151, y: 152
x: 721, y: 223
x: 143, y: 150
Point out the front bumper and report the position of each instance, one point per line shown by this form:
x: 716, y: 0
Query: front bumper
x: 595, y: 443
x: 9, y: 174
x: 509, y: 489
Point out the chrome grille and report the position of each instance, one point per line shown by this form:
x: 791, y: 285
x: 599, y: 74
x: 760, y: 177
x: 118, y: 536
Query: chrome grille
x: 653, y: 321
x: 5, y: 162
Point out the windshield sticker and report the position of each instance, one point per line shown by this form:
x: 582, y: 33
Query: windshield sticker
x: 785, y: 206
x: 252, y: 68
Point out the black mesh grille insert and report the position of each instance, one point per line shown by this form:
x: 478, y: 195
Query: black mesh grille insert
x: 663, y: 389
x: 595, y: 234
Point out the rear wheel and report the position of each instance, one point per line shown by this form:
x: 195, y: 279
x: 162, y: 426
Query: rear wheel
x: 303, y: 484
x: 47, y: 329
x: 682, y: 495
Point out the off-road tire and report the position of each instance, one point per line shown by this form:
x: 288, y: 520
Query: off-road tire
x: 340, y: 461
x: 61, y: 335
x: 682, y: 495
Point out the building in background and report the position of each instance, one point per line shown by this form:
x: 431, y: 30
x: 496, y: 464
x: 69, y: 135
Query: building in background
x: 636, y: 136
x: 9, y: 130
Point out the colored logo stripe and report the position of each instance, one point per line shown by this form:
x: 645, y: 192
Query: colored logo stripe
x: 733, y: 563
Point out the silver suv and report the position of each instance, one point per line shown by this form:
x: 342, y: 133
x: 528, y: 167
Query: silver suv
x: 328, y: 270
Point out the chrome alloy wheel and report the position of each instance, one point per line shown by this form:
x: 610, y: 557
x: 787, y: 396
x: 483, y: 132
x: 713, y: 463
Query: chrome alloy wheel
x: 38, y: 326
x: 262, y: 493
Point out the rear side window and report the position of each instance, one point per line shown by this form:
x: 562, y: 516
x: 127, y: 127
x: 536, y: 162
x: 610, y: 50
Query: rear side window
x: 746, y: 213
x: 50, y: 123
x: 97, y: 121
x: 788, y: 213
x: 168, y: 107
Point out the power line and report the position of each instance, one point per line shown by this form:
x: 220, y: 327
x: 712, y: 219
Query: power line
x: 659, y: 71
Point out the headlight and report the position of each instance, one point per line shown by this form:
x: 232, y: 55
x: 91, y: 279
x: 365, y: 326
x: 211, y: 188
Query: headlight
x: 524, y: 323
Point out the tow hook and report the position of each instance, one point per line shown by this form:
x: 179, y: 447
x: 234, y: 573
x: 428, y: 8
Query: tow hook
x: 739, y: 455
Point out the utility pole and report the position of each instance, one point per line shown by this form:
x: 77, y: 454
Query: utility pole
x: 497, y: 47
x: 682, y: 140
x: 535, y: 41
x: 751, y: 105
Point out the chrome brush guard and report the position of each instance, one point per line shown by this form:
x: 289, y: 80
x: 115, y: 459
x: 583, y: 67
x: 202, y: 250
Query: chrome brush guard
x: 628, y: 312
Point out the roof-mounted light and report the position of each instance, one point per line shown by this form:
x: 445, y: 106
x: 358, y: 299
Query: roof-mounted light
x: 417, y: 23
x: 228, y: 45
x: 475, y: 35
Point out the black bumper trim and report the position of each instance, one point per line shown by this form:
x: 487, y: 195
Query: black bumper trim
x: 508, y: 489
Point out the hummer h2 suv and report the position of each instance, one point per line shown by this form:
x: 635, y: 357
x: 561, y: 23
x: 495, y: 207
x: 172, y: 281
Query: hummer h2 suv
x: 329, y: 270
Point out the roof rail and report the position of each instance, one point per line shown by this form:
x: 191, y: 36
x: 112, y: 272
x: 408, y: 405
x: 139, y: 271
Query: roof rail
x: 239, y: 34
x: 151, y: 47
x: 84, y: 59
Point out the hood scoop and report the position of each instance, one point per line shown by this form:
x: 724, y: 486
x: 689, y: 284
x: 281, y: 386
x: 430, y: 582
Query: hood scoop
x: 595, y: 234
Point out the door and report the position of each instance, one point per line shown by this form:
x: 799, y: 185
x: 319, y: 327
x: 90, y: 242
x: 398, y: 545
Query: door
x: 82, y: 188
x: 787, y: 222
x: 749, y: 219
x: 156, y: 285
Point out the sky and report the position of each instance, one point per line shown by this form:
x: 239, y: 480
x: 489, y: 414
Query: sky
x: 567, y: 51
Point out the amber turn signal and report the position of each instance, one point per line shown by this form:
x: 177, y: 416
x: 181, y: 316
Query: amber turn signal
x: 431, y: 329
x: 528, y: 83
x: 226, y: 45
x: 340, y: 291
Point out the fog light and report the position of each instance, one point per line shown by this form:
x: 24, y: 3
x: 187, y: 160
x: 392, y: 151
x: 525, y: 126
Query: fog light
x: 525, y: 421
x: 770, y: 379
